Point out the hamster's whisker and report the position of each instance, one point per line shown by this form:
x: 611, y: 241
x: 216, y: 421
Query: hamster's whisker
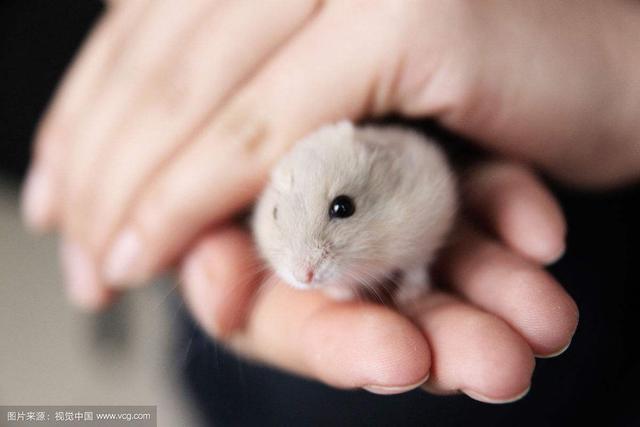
x: 390, y: 282
x: 370, y: 286
x: 362, y: 283
x: 384, y: 282
x: 379, y: 284
x: 253, y: 273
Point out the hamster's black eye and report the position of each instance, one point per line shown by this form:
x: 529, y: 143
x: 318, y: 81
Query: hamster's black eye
x: 341, y: 207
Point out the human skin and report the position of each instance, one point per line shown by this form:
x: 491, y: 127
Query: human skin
x: 188, y: 124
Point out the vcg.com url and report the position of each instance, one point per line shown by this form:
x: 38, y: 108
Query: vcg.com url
x: 106, y: 416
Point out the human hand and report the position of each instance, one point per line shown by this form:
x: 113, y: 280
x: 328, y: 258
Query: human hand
x: 174, y: 112
x: 458, y: 61
x: 478, y: 335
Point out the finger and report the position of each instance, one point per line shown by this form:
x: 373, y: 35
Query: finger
x: 473, y: 351
x: 82, y: 284
x: 202, y: 75
x: 521, y: 293
x: 219, y: 278
x: 39, y: 204
x: 342, y: 344
x: 164, y: 28
x: 41, y: 201
x: 306, y: 333
x: 126, y: 68
x: 302, y: 87
x: 512, y: 202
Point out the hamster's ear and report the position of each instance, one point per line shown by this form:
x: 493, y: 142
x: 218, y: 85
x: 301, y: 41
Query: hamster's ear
x: 341, y: 130
x: 282, y: 178
x: 344, y: 129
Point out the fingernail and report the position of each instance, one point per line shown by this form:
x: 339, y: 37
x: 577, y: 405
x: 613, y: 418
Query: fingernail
x: 385, y: 390
x: 80, y: 275
x: 37, y: 199
x: 485, y: 399
x: 555, y: 354
x: 122, y: 258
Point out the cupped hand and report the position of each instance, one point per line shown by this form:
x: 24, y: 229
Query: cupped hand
x: 498, y: 308
x: 174, y: 112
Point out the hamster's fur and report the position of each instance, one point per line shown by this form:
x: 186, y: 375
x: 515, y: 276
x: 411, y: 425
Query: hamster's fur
x: 405, y: 202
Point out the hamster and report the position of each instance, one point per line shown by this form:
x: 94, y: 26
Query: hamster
x: 349, y: 207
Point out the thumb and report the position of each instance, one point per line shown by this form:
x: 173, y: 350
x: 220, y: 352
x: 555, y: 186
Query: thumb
x: 554, y: 83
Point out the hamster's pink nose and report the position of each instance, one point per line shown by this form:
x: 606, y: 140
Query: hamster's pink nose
x: 309, y: 276
x: 305, y: 276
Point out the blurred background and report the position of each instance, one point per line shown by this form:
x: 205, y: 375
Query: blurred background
x: 52, y: 354
x: 146, y: 351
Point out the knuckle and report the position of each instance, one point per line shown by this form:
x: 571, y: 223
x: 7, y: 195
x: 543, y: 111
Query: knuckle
x: 245, y: 131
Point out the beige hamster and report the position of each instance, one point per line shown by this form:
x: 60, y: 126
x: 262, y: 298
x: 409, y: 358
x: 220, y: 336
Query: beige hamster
x: 349, y: 206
